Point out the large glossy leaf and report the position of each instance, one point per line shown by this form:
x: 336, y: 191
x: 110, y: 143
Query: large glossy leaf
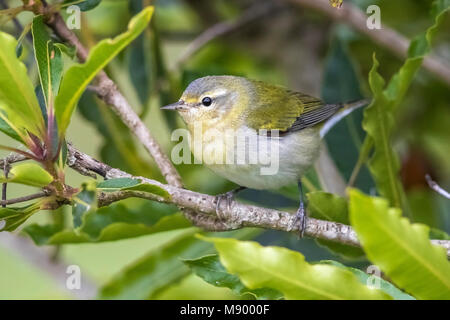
x: 330, y: 207
x: 212, y: 271
x: 17, y: 99
x: 402, y: 250
x: 288, y: 272
x: 48, y: 59
x: 30, y: 174
x: 111, y: 223
x: 163, y: 267
x: 79, y: 76
x: 364, y: 278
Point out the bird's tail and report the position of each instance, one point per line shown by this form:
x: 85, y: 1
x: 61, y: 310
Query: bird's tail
x: 344, y: 110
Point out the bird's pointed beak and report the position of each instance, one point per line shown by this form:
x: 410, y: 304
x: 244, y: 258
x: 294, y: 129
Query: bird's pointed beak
x: 179, y: 105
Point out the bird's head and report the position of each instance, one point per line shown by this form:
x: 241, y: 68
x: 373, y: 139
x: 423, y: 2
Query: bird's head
x: 212, y: 100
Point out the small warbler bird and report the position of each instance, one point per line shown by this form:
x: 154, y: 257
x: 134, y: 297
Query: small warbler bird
x: 279, y: 125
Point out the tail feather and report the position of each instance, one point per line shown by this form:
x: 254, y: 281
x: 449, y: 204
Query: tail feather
x: 345, y: 110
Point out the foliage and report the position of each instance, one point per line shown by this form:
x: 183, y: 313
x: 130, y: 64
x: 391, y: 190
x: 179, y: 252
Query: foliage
x: 402, y: 250
x: 160, y: 268
x: 43, y: 85
x: 364, y: 278
x: 18, y: 104
x: 78, y: 77
x: 330, y: 207
x: 212, y: 271
x: 288, y: 272
x: 379, y: 116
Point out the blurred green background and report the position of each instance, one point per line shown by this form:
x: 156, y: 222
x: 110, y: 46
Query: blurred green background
x: 291, y: 46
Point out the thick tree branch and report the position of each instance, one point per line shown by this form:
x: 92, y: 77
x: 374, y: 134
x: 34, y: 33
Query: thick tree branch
x: 237, y: 215
x: 385, y: 37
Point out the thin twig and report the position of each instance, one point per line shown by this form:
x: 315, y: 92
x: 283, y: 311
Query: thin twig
x: 12, y: 158
x: 385, y: 37
x: 33, y: 196
x: 6, y: 165
x: 16, y: 22
x: 433, y: 185
x: 257, y: 11
x: 6, y: 168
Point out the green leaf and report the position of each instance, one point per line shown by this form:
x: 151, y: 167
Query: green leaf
x: 330, y: 207
x: 17, y: 99
x: 327, y: 206
x: 14, y: 217
x: 84, y: 201
x: 378, y: 123
x: 117, y: 184
x: 84, y: 5
x: 420, y: 46
x: 111, y: 223
x: 23, y: 34
x: 162, y: 267
x: 363, y: 277
x: 288, y: 272
x: 30, y: 174
x: 6, y: 129
x: 402, y: 250
x: 132, y: 184
x: 378, y: 117
x: 80, y: 75
x: 212, y: 271
x: 138, y: 68
x: 67, y: 50
x: 439, y: 234
x: 48, y: 58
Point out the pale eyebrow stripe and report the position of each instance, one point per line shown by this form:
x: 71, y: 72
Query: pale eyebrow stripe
x: 215, y: 94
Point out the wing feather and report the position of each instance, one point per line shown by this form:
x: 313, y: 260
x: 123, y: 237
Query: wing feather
x: 276, y: 108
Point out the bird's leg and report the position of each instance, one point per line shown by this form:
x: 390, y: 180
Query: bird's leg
x: 301, y: 213
x: 228, y: 196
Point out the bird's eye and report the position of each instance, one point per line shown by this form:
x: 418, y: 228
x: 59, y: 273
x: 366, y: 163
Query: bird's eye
x: 206, y: 101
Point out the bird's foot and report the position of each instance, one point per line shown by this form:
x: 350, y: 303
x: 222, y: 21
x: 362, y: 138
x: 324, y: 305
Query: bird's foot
x: 300, y: 217
x: 228, y: 197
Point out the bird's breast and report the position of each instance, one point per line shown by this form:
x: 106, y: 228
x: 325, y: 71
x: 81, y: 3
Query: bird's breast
x: 256, y: 161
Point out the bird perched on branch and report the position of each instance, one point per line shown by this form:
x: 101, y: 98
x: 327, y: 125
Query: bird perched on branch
x: 257, y: 135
